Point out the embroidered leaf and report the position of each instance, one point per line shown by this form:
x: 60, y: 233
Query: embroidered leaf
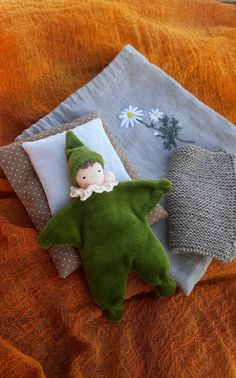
x: 168, y: 131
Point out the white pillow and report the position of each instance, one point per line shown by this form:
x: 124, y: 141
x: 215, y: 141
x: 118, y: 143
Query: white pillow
x: 49, y: 160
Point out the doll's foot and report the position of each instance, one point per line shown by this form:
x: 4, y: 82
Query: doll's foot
x: 165, y: 185
x: 114, y: 313
x: 167, y: 287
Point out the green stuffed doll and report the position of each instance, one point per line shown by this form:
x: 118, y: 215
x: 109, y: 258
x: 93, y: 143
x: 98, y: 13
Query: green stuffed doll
x: 108, y: 222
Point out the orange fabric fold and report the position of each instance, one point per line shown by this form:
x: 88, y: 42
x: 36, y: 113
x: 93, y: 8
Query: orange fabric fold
x: 17, y: 364
x: 50, y: 326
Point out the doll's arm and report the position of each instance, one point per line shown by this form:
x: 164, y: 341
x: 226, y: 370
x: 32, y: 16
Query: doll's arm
x: 62, y: 229
x: 161, y: 188
x: 147, y: 193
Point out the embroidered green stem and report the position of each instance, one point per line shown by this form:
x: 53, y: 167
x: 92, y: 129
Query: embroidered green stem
x: 168, y: 131
x: 150, y: 126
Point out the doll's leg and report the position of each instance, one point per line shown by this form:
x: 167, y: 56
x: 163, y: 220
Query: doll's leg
x: 151, y: 263
x: 107, y: 282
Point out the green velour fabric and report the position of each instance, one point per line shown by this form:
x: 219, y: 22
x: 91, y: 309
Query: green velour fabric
x: 78, y: 154
x: 114, y: 237
x: 112, y: 232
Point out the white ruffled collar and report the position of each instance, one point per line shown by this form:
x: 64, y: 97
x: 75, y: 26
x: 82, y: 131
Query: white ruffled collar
x: 106, y: 186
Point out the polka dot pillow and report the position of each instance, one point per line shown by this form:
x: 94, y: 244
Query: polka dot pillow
x: 22, y: 177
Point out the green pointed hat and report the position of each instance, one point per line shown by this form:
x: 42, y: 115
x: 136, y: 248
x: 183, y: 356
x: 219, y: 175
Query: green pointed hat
x: 78, y: 154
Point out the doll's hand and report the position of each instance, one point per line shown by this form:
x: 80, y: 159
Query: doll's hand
x: 165, y: 185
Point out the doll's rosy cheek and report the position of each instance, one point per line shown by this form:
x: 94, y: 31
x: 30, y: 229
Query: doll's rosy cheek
x: 90, y: 175
x: 82, y: 182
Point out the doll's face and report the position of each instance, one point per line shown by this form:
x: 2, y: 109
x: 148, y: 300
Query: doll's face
x: 88, y: 175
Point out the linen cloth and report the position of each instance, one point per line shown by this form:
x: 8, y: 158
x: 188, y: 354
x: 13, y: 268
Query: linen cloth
x: 131, y: 79
x: 49, y: 160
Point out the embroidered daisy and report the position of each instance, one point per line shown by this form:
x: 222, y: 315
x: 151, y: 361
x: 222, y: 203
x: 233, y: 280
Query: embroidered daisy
x: 131, y: 116
x: 155, y: 115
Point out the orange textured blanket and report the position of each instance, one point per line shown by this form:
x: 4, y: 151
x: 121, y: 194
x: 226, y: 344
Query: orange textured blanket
x: 50, y: 327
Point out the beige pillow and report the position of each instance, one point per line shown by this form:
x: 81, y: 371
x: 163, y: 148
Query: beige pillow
x: 22, y: 177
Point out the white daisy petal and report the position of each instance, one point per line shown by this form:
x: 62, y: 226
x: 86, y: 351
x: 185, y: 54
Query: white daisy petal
x: 155, y: 115
x: 123, y: 122
x: 123, y: 116
x: 126, y: 124
x: 139, y: 116
x: 131, y: 116
x: 125, y: 112
x: 150, y: 115
x: 132, y: 120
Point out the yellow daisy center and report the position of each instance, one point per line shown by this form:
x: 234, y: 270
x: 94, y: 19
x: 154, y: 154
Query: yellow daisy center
x: 130, y: 115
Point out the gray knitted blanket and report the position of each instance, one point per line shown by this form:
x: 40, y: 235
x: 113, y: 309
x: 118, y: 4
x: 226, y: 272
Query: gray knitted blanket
x: 202, y: 206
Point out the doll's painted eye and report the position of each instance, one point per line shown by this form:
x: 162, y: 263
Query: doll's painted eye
x: 84, y: 177
x: 99, y: 170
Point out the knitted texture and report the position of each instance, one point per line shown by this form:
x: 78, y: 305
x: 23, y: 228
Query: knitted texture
x: 202, y: 206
